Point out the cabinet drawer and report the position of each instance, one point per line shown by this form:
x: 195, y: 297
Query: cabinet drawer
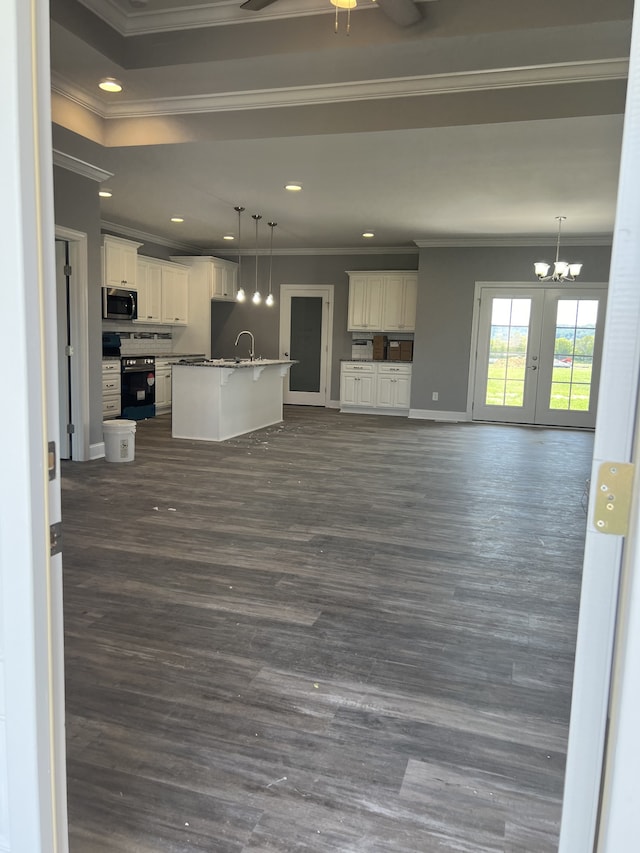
x: 111, y: 385
x: 111, y: 406
x: 358, y: 367
x: 111, y: 368
x: 394, y: 369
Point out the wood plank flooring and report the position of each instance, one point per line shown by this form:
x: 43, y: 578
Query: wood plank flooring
x: 343, y: 633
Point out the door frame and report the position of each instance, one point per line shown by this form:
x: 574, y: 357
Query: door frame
x: 326, y: 291
x: 79, y: 338
x: 475, y: 323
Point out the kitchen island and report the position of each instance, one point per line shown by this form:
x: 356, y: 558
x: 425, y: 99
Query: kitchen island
x: 220, y: 398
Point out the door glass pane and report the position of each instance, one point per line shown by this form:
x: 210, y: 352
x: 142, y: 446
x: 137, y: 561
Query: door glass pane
x: 573, y: 354
x: 306, y: 340
x: 507, y: 352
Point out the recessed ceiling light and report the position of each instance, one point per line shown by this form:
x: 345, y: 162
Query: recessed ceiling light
x: 293, y: 188
x: 177, y: 219
x: 228, y: 237
x: 368, y: 234
x: 105, y: 193
x: 110, y: 84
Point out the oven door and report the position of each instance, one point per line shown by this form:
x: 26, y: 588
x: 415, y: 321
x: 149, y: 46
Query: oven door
x: 138, y: 395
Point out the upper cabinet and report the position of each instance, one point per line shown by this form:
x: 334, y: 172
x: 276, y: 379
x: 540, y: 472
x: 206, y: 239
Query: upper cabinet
x: 119, y: 259
x: 163, y: 292
x: 382, y: 301
x: 213, y: 277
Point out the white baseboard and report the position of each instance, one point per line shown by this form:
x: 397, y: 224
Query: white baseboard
x: 437, y: 415
x: 96, y: 451
x: 374, y: 410
x: 333, y: 404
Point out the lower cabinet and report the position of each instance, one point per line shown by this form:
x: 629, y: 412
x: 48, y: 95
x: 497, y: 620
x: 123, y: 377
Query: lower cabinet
x: 383, y: 388
x: 163, y: 386
x: 111, y: 406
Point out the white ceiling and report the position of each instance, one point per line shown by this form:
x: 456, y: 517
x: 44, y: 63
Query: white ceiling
x: 480, y: 124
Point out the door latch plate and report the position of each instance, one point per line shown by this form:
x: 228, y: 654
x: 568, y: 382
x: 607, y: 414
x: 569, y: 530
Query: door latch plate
x: 613, y: 497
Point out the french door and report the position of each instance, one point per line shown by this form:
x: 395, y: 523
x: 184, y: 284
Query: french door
x: 538, y: 354
x: 306, y: 319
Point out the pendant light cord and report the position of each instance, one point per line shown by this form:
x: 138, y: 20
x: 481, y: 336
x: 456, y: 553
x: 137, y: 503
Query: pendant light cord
x: 271, y: 225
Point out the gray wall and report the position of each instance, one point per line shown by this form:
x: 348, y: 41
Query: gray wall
x: 227, y: 319
x: 77, y: 206
x: 446, y: 284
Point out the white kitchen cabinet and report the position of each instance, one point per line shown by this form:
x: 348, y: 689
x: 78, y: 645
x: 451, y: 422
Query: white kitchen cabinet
x: 383, y: 301
x: 365, y: 302
x: 206, y: 283
x: 393, y: 387
x: 399, y: 302
x: 224, y: 280
x: 111, y: 406
x: 149, y: 286
x: 175, y: 294
x: 375, y: 387
x: 357, y: 384
x: 163, y: 385
x: 119, y: 259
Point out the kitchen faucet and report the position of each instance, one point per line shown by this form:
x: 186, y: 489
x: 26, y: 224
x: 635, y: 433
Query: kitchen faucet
x: 252, y: 350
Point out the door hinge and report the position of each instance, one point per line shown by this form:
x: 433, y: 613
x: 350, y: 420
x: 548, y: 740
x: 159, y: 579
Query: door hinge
x: 68, y: 350
x: 52, y: 462
x: 55, y: 538
x: 71, y: 429
x: 613, y: 497
x: 67, y: 269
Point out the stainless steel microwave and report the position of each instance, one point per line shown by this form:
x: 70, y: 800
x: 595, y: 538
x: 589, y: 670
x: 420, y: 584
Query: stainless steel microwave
x: 118, y: 304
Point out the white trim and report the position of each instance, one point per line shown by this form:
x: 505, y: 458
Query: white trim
x: 373, y: 410
x: 492, y: 242
x: 79, y: 331
x: 74, y: 164
x: 333, y: 404
x: 146, y: 237
x: 96, y: 451
x: 359, y: 90
x: 206, y: 15
x: 437, y: 415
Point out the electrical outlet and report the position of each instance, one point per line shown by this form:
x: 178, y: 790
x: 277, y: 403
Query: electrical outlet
x: 434, y: 396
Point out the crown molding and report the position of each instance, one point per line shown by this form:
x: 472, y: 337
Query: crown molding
x: 362, y: 90
x: 496, y: 242
x: 146, y: 237
x: 222, y: 13
x: 74, y: 164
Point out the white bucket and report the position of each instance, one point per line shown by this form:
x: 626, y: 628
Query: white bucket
x: 119, y: 440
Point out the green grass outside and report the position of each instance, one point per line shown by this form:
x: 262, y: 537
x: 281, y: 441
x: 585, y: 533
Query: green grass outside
x: 570, y: 389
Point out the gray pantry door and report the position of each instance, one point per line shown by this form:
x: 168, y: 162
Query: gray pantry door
x: 305, y: 335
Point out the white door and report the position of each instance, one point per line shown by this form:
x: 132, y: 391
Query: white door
x: 306, y: 322
x: 538, y: 355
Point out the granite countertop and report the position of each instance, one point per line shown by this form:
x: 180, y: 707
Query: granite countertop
x: 233, y: 363
x: 379, y: 360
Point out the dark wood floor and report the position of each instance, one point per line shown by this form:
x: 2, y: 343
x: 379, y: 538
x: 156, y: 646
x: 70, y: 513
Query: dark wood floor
x: 343, y: 633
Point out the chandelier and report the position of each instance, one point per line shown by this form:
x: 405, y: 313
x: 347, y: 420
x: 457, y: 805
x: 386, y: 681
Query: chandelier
x: 562, y: 271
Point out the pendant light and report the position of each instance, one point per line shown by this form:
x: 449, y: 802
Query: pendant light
x: 562, y: 271
x: 270, y: 300
x: 240, y: 295
x: 256, y: 298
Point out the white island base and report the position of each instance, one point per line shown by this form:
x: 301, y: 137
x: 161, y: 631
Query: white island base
x: 217, y: 399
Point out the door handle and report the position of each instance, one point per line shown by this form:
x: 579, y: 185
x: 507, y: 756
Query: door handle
x: 532, y: 367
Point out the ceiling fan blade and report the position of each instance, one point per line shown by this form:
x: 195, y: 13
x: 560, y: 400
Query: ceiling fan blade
x: 404, y: 13
x: 255, y: 5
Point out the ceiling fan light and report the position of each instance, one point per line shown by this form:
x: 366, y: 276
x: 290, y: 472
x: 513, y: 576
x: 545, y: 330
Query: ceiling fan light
x: 574, y: 270
x: 541, y: 269
x: 344, y: 4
